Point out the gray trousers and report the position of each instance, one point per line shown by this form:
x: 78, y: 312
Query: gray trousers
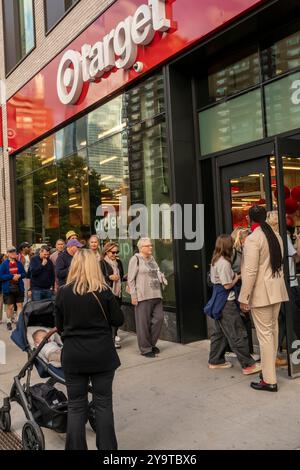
x: 230, y: 330
x: 149, y: 317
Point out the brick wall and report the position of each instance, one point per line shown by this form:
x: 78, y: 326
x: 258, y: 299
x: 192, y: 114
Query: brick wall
x: 47, y: 47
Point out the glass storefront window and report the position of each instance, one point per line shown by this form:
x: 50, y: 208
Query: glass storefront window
x: 283, y: 104
x: 150, y: 185
x: 107, y: 120
x: 71, y: 138
x: 73, y: 195
x: 116, y: 150
x: 229, y: 79
x: 282, y: 56
x: 37, y: 206
x: 145, y: 101
x: 231, y: 123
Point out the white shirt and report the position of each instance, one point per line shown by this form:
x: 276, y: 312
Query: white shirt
x: 27, y: 263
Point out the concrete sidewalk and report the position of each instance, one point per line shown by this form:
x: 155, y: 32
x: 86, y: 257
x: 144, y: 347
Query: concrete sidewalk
x: 175, y: 402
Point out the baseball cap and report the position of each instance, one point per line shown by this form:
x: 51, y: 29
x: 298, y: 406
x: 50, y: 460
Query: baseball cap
x: 74, y: 243
x: 11, y: 249
x: 24, y: 245
x: 70, y: 234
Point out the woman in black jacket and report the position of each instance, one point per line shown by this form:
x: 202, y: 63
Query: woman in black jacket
x: 112, y: 269
x: 85, y: 311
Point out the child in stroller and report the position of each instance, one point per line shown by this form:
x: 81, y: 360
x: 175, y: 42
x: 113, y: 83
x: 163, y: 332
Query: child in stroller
x: 43, y: 404
x: 51, y: 351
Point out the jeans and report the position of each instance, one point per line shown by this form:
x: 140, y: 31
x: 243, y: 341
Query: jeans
x: 41, y: 294
x: 77, y: 388
x: 230, y: 330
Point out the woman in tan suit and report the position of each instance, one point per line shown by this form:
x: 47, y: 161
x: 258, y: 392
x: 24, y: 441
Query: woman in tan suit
x: 263, y: 291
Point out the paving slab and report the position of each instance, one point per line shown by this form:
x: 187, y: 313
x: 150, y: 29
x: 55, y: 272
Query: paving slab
x: 175, y: 402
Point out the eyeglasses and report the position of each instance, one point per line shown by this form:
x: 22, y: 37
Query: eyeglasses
x: 115, y: 252
x: 147, y: 246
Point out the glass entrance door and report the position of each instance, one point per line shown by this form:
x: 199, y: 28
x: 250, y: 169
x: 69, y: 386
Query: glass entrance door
x: 287, y: 153
x: 274, y: 182
x: 244, y: 185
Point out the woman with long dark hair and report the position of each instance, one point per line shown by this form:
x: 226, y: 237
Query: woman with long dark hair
x: 228, y: 325
x: 263, y: 290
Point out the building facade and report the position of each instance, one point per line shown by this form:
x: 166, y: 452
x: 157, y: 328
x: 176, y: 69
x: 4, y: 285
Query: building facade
x: 161, y: 102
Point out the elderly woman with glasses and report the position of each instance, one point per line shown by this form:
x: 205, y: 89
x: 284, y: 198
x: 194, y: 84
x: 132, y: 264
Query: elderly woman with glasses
x: 112, y: 269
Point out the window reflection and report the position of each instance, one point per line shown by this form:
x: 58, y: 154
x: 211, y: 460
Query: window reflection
x: 282, y: 56
x: 231, y: 123
x: 18, y: 30
x: 73, y: 193
x: 229, y: 79
x: 70, y: 139
x: 107, y: 120
x: 117, y: 150
x: 56, y: 9
x: 37, y: 206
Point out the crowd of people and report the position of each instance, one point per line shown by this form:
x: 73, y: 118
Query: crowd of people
x: 248, y: 281
x: 86, y: 285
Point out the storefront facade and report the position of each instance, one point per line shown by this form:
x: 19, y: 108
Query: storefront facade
x: 203, y: 108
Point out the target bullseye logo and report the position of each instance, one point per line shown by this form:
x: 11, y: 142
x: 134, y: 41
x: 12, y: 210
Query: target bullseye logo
x: 119, y: 48
x: 69, y: 78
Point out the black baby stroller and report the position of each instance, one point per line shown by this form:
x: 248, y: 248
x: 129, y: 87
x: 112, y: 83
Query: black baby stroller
x: 43, y: 404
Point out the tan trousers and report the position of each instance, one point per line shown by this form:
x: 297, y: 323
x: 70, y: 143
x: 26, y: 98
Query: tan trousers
x: 266, y: 324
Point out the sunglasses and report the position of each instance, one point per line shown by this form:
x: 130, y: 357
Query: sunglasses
x: 115, y: 252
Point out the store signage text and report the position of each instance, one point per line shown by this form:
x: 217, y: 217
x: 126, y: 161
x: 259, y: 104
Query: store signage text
x: 296, y: 93
x: 119, y: 48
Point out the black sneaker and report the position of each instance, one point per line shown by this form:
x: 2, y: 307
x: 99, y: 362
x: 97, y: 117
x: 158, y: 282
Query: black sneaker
x: 149, y: 354
x: 9, y: 326
x: 155, y: 350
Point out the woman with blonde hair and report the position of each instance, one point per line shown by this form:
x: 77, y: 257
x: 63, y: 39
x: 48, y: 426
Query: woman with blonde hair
x: 238, y: 236
x: 85, y: 312
x: 93, y: 244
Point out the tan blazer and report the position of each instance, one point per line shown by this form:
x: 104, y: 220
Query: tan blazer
x: 259, y: 288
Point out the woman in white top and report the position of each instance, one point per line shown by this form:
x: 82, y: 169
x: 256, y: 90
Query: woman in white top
x: 229, y: 329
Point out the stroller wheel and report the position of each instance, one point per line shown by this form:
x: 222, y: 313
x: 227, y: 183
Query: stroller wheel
x: 92, y: 416
x: 32, y: 437
x: 5, y: 421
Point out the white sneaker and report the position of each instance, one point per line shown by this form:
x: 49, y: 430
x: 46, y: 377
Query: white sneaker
x: 225, y: 365
x: 230, y: 354
x: 117, y: 339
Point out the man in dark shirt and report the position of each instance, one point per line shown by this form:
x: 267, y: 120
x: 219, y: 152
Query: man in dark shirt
x: 42, y: 275
x: 64, y: 261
